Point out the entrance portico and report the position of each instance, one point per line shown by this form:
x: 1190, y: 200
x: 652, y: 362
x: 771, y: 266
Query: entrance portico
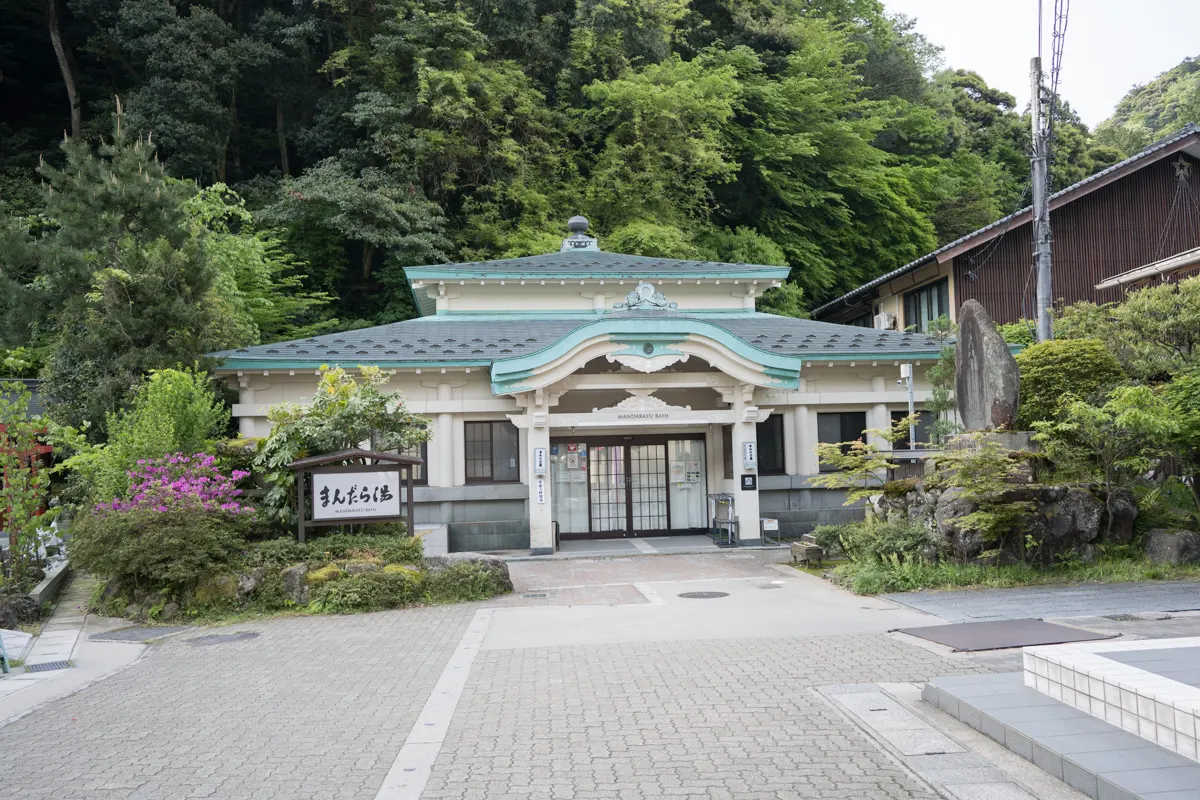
x: 614, y: 470
x: 603, y: 394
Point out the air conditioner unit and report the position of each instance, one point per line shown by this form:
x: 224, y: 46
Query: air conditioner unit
x: 885, y: 321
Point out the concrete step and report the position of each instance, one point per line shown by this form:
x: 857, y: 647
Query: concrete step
x: 1092, y: 756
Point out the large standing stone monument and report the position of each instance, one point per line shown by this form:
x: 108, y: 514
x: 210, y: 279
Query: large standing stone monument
x: 987, y: 379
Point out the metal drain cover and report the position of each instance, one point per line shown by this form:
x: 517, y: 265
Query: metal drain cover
x: 703, y: 595
x: 222, y: 638
x: 534, y: 595
x: 47, y: 666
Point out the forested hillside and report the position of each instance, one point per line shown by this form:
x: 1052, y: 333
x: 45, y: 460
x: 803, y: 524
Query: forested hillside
x: 338, y: 141
x: 1161, y: 107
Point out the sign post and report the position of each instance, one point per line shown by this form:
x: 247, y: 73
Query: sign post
x: 345, y: 492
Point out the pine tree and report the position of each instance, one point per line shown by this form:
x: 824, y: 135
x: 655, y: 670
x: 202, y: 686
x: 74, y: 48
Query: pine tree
x: 122, y: 279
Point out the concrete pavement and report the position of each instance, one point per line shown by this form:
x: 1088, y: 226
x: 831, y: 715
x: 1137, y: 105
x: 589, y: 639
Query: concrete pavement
x: 644, y: 695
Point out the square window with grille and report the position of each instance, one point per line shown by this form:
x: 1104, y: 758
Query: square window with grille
x: 492, y: 452
x: 835, y: 428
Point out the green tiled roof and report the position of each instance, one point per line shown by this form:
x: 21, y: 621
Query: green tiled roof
x: 480, y: 340
x: 578, y: 264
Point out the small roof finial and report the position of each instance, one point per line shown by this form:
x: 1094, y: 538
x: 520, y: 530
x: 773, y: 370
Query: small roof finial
x: 578, y: 239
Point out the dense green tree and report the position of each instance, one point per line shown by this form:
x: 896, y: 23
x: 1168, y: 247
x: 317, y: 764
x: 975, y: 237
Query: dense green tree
x: 1160, y: 108
x: 366, y: 137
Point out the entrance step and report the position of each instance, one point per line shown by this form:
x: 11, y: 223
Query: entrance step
x: 1098, y: 759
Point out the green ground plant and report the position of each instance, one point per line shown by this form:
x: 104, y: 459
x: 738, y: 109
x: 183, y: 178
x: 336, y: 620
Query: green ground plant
x: 899, y: 575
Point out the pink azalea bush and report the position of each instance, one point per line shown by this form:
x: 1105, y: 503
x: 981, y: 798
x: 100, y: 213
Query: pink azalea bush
x: 181, y: 483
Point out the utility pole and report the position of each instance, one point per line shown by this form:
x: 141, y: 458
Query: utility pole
x: 1040, y: 184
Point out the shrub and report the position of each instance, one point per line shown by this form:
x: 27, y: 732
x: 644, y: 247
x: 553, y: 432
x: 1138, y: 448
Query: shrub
x: 343, y: 414
x: 461, y: 582
x: 1061, y: 369
x: 396, y: 586
x: 370, y: 591
x: 174, y: 411
x: 330, y: 572
x: 871, y: 541
x: 181, y: 482
x: 1020, y: 332
x: 153, y: 550
x: 899, y: 488
x: 337, y: 547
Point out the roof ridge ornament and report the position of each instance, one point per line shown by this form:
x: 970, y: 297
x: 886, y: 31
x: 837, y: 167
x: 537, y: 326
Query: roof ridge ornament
x: 644, y: 296
x: 578, y: 238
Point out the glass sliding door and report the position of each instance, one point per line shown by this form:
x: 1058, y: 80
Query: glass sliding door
x: 688, y: 484
x: 609, y: 497
x: 617, y: 486
x: 648, y: 499
x: 569, y: 487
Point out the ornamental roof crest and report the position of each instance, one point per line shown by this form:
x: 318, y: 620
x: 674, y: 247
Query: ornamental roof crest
x: 644, y: 297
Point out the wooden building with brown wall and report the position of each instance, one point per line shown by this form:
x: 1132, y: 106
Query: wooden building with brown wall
x: 1137, y: 219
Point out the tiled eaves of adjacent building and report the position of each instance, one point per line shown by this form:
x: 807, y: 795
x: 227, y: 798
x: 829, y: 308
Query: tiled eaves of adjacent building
x: 467, y: 339
x: 1191, y: 130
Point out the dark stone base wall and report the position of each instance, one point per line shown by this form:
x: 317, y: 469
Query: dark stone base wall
x: 799, y: 510
x: 486, y: 518
x: 482, y: 537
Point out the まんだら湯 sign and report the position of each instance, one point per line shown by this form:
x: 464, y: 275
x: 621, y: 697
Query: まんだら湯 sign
x: 355, y: 495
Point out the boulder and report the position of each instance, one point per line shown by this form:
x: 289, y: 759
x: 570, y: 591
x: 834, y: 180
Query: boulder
x: 964, y: 543
x: 494, y: 564
x: 360, y: 567
x: 1075, y: 518
x: 295, y: 583
x: 1172, y: 547
x: 987, y: 379
x: 212, y: 590
x: 248, y: 583
x: 18, y: 609
x: 1123, y: 509
x: 169, y: 611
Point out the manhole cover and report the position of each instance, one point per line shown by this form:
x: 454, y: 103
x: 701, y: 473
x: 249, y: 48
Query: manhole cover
x: 47, y: 666
x: 703, y: 595
x: 534, y: 595
x: 222, y: 638
x: 771, y: 586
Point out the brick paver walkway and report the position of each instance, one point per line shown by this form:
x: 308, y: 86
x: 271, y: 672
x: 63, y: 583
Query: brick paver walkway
x: 319, y: 707
x: 315, y: 707
x: 729, y: 719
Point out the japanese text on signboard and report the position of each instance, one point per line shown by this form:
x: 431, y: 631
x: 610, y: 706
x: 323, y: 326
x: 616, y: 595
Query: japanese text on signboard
x: 351, y: 495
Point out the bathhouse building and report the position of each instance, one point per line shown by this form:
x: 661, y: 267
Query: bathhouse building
x: 589, y: 394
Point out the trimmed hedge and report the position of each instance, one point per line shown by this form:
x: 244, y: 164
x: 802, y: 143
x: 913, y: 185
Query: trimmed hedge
x: 1059, y: 369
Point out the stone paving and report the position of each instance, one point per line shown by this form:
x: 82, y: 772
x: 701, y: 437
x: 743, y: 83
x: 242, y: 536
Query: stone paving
x: 315, y: 707
x: 727, y: 719
x: 1044, y: 602
x: 724, y: 706
x: 531, y: 575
